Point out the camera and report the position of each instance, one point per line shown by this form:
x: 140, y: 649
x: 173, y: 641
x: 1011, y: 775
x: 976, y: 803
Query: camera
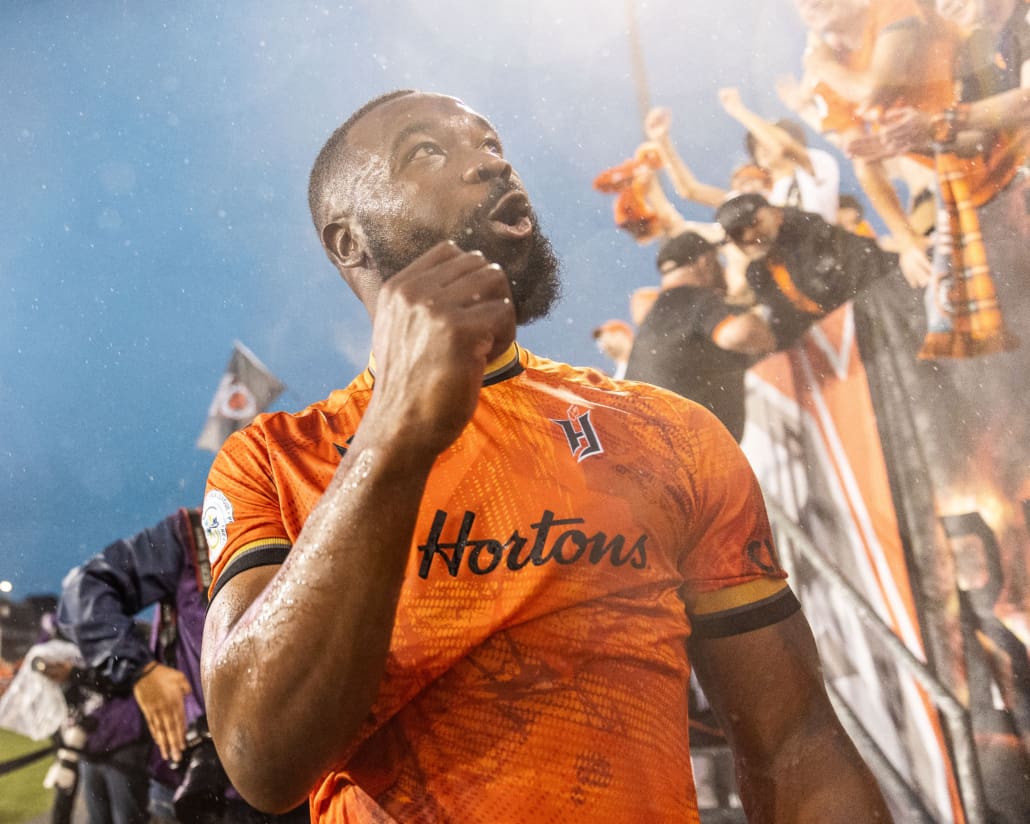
x: 200, y: 796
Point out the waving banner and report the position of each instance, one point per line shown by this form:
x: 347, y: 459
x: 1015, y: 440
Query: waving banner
x: 246, y: 388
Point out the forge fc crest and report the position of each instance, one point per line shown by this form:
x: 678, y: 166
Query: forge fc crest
x: 579, y: 433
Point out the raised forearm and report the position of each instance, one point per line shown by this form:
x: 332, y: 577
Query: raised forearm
x: 289, y: 684
x: 777, y: 141
x: 684, y: 181
x: 672, y: 222
x: 293, y: 658
x: 884, y: 199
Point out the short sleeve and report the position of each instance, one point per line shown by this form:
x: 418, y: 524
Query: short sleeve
x: 242, y: 515
x: 709, y: 310
x: 729, y: 542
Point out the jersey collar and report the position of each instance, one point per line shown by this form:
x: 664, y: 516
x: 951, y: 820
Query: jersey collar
x: 508, y: 365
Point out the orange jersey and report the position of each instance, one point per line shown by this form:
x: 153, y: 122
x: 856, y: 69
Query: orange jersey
x: 933, y: 91
x: 538, y: 668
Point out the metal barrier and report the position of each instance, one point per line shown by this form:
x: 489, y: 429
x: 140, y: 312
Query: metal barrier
x: 956, y: 716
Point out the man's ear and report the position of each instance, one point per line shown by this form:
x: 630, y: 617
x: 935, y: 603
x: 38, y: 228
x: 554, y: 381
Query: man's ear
x: 343, y: 244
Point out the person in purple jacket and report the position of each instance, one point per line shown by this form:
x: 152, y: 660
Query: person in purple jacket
x: 166, y: 564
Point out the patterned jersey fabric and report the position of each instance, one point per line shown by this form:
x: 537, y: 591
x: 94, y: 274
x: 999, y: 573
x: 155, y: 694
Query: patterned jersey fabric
x: 538, y: 669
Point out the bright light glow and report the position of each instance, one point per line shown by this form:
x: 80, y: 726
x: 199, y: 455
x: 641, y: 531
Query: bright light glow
x: 6, y: 586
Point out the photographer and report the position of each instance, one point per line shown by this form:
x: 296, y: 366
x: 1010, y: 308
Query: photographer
x: 103, y: 744
x: 166, y: 564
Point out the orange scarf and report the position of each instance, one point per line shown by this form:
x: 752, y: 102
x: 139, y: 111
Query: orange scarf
x: 963, y: 316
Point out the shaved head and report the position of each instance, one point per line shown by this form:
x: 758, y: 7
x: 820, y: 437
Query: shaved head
x: 329, y: 186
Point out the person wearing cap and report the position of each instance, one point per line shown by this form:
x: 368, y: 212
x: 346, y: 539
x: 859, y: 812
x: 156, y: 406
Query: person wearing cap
x: 693, y: 341
x: 801, y: 266
x: 615, y: 339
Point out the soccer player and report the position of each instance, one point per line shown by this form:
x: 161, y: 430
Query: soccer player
x: 461, y: 588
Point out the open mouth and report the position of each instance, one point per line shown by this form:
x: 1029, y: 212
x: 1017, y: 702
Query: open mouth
x: 511, y: 216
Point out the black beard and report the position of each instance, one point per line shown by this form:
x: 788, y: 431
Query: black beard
x: 535, y: 282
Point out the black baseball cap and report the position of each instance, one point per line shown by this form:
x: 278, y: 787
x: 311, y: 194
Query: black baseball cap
x: 738, y: 213
x: 682, y: 250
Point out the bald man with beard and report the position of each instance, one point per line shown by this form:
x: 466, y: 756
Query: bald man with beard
x: 461, y: 588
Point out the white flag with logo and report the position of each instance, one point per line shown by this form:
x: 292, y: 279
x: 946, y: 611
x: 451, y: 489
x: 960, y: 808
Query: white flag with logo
x: 246, y: 388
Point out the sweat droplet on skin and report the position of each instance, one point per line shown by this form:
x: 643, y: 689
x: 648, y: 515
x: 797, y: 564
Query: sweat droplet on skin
x: 361, y: 469
x: 283, y: 597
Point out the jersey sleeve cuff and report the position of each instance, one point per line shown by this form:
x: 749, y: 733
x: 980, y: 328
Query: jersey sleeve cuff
x: 746, y: 615
x: 265, y: 552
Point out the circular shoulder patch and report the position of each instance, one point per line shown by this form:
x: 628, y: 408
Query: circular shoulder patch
x: 216, y: 517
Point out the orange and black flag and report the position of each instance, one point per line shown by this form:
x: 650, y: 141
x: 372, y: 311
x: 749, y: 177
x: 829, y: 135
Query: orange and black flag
x: 246, y: 388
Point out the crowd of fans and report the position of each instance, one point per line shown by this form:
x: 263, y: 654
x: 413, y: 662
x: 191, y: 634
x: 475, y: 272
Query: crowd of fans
x: 931, y: 106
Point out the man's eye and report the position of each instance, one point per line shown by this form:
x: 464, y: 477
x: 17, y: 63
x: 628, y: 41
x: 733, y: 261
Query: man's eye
x: 492, y: 145
x: 424, y: 150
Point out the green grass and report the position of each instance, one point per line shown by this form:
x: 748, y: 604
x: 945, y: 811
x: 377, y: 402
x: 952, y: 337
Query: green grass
x: 22, y: 795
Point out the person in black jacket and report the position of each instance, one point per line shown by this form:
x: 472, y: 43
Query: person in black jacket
x: 166, y: 564
x: 801, y: 267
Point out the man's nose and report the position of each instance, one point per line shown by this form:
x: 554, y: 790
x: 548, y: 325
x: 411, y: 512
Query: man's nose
x: 487, y: 169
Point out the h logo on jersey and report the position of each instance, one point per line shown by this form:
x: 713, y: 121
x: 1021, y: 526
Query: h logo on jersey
x: 580, y: 434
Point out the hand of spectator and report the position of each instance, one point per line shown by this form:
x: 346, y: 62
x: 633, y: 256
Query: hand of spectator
x: 160, y: 695
x: 905, y: 129
x: 643, y: 174
x: 915, y: 265
x: 643, y: 170
x: 657, y: 122
x: 869, y: 146
x: 730, y: 100
x: 901, y: 130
